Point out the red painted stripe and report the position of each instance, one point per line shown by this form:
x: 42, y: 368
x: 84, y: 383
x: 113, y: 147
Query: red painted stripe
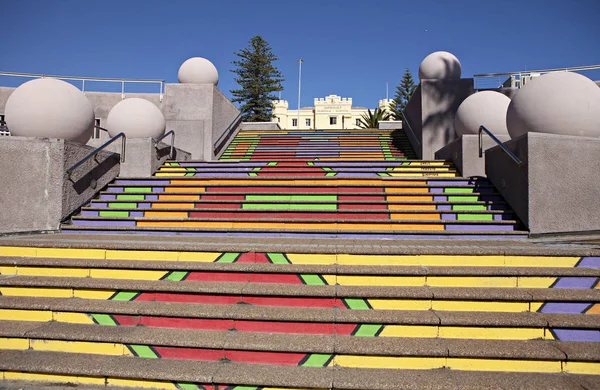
x: 222, y: 197
x: 292, y: 189
x: 288, y: 215
x: 345, y: 329
x: 217, y: 277
x: 218, y: 205
x: 190, y: 353
x: 275, y: 278
x: 127, y: 320
x: 295, y: 174
x: 343, y: 198
x: 253, y: 257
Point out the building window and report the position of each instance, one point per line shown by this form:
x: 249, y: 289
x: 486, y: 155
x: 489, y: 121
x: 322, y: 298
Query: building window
x: 358, y: 122
x: 308, y: 122
x: 294, y: 122
x: 333, y: 120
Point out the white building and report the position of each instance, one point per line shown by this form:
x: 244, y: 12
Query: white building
x: 331, y: 112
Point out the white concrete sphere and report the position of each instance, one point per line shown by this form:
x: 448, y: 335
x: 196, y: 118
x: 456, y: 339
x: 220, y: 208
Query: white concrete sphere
x: 556, y: 103
x: 137, y: 118
x: 486, y: 108
x: 50, y: 108
x: 198, y: 70
x: 440, y: 65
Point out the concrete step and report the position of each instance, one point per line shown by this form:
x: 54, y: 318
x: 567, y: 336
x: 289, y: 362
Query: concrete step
x: 302, y: 349
x: 301, y: 320
x: 326, y: 296
x: 162, y: 373
x: 353, y: 275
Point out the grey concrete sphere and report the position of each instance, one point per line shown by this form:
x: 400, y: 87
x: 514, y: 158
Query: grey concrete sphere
x: 556, y: 103
x: 486, y: 108
x: 440, y: 65
x: 198, y: 70
x: 137, y: 118
x: 50, y: 108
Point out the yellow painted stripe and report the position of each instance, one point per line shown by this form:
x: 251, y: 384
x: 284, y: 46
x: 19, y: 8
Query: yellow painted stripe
x: 14, y: 343
x: 97, y: 348
x: 36, y: 292
x: 72, y: 318
x: 470, y: 364
x: 456, y: 332
x: 127, y: 274
x: 93, y: 294
x: 589, y: 368
x: 146, y: 384
x: 409, y: 331
x: 400, y: 304
x: 53, y: 271
x: 142, y: 255
x: 71, y: 253
x: 17, y: 251
x: 535, y: 282
x: 25, y: 315
x: 312, y: 259
x: 52, y: 378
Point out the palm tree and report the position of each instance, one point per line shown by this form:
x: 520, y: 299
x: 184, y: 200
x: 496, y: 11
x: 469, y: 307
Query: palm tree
x: 371, y: 120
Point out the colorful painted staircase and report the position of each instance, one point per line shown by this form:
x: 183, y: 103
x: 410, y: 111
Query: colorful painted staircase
x: 282, y: 281
x: 281, y: 187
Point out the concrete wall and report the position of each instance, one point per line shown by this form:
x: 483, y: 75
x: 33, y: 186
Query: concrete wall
x: 464, y: 153
x: 36, y: 194
x: 557, y: 187
x: 142, y: 158
x: 199, y: 114
x: 390, y: 125
x: 414, y: 126
x: 430, y: 114
x: 260, y: 126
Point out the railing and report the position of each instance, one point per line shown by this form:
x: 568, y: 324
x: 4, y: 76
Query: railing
x: 97, y: 150
x: 3, y: 128
x: 519, y: 78
x: 493, y: 137
x: 92, y: 79
x: 217, y: 146
x: 405, y: 120
x: 172, y: 134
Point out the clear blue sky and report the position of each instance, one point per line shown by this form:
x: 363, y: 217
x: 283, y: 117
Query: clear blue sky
x: 350, y: 48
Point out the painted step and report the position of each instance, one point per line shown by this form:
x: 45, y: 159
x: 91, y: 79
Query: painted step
x: 351, y: 297
x: 164, y: 373
x: 234, y: 268
x: 299, y: 320
x: 304, y: 350
x: 253, y: 233
x: 306, y: 212
x: 295, y: 203
x: 367, y: 164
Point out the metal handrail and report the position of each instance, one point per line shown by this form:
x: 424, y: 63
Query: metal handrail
x: 83, y: 79
x: 172, y: 134
x: 568, y: 69
x: 404, y: 120
x: 69, y: 171
x: 231, y: 126
x: 492, y: 136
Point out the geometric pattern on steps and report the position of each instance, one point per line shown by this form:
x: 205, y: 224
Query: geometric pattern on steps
x: 335, y: 184
x: 324, y: 145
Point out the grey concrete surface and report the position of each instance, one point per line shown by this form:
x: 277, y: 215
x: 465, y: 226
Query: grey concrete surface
x: 464, y: 153
x: 390, y: 125
x: 36, y: 195
x: 556, y: 189
x: 142, y: 158
x: 199, y: 114
x: 260, y: 126
x: 414, y: 124
x: 430, y: 113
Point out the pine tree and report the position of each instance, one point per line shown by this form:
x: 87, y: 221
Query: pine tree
x: 403, y: 93
x: 258, y: 78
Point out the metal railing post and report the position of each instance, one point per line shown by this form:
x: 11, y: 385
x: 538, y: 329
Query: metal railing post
x: 172, y: 134
x: 502, y: 146
x: 122, y: 89
x: 69, y: 171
